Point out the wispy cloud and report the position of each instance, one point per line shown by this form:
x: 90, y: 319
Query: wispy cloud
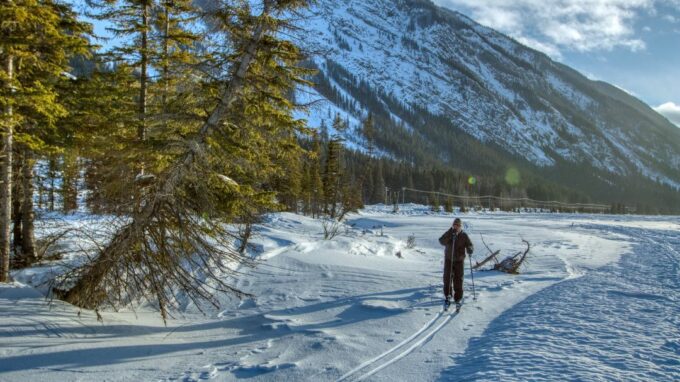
x: 547, y: 48
x: 552, y: 26
x: 671, y: 111
x: 670, y: 18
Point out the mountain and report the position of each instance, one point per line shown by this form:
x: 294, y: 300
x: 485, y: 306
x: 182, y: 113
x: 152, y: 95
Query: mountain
x: 445, y: 89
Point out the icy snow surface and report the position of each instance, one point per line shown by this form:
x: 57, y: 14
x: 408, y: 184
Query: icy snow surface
x: 598, y: 300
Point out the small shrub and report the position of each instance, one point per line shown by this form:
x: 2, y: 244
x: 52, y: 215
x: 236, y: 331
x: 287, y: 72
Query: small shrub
x: 331, y: 228
x: 448, y: 206
x: 411, y: 241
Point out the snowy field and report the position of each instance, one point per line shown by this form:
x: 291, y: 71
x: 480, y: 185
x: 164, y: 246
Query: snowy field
x: 598, y: 300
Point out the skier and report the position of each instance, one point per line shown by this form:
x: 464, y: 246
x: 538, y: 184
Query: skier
x: 457, y: 243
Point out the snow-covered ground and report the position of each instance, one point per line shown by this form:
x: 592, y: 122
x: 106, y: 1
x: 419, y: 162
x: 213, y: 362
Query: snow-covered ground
x: 598, y: 300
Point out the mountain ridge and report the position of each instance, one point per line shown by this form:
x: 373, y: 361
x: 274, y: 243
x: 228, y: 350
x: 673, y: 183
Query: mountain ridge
x: 511, y: 99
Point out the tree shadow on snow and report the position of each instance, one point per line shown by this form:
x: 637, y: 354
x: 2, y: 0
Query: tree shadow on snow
x: 249, y: 329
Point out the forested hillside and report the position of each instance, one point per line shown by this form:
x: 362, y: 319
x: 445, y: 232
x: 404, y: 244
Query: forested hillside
x: 446, y: 91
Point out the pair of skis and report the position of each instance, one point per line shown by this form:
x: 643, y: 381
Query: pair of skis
x: 447, y: 304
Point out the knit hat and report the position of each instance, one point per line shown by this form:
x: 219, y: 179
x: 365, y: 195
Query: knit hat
x: 457, y: 221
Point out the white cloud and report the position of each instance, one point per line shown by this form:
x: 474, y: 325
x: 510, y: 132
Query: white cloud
x: 670, y: 18
x: 551, y: 26
x: 547, y: 48
x: 671, y: 111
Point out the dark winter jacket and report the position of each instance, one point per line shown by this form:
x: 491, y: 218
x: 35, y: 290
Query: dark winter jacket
x: 462, y: 243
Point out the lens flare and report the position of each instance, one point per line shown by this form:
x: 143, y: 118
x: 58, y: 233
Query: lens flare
x: 512, y: 176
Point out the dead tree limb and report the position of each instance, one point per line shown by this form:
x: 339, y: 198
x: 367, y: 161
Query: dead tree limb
x: 487, y: 259
x: 512, y: 263
x: 492, y: 255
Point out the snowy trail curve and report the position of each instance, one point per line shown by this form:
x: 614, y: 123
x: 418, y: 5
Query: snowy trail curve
x: 620, y: 322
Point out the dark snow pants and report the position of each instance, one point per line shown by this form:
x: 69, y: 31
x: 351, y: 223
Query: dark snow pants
x: 457, y: 279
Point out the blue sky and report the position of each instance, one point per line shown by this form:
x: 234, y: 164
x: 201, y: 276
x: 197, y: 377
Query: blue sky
x: 633, y: 44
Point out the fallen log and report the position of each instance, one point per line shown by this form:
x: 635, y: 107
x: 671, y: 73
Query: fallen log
x: 487, y: 259
x: 512, y: 263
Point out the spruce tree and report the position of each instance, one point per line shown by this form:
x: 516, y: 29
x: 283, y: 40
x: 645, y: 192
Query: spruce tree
x: 40, y: 35
x: 219, y: 167
x: 332, y: 177
x: 316, y: 180
x: 17, y: 199
x: 378, y: 195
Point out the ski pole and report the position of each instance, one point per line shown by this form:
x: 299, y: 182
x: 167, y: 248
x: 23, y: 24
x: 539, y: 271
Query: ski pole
x: 450, y: 290
x: 472, y: 274
x: 453, y: 255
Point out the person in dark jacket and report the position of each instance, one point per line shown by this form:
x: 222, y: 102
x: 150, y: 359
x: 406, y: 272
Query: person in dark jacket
x: 456, y: 243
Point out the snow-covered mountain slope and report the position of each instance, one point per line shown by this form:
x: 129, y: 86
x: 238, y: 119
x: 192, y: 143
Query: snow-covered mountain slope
x: 418, y: 58
x: 598, y: 300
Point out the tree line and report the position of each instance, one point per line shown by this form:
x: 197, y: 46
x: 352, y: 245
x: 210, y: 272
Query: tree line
x: 416, y: 136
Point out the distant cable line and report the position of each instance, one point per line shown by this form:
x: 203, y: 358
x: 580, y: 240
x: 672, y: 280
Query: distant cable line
x: 523, y: 201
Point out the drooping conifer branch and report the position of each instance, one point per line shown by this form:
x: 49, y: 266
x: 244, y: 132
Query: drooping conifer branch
x: 176, y: 241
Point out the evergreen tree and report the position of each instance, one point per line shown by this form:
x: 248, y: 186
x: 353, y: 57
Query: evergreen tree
x: 312, y: 185
x: 435, y: 203
x: 174, y: 59
x: 367, y: 183
x: 332, y: 176
x: 100, y: 132
x: 156, y: 37
x: 369, y: 133
x: 316, y: 182
x: 448, y: 206
x: 69, y: 184
x: 378, y: 194
x: 218, y: 170
x: 17, y: 199
x: 131, y: 23
x: 41, y: 35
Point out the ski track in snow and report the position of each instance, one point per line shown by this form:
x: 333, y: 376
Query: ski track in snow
x: 429, y: 329
x: 413, y: 347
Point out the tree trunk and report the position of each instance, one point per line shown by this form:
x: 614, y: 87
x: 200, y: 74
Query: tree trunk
x: 141, y: 130
x: 27, y: 214
x: 166, y: 63
x: 41, y: 193
x: 69, y: 182
x: 17, y: 241
x: 6, y: 187
x: 52, y: 174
